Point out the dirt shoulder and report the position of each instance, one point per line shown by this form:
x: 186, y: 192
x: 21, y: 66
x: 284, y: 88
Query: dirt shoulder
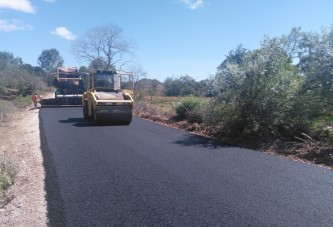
x: 20, y: 143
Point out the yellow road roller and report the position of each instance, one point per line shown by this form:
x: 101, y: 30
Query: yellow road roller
x: 109, y: 97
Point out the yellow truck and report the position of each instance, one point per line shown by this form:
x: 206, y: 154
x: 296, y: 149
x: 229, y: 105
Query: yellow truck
x: 109, y: 97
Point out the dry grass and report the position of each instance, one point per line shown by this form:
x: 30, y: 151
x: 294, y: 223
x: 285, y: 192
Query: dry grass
x: 6, y: 109
x: 7, y: 173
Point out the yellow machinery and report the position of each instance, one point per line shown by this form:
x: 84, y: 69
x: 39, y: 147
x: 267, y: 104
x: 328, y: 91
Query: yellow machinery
x: 108, y: 99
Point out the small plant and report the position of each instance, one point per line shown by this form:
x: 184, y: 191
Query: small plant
x: 7, y: 173
x: 189, y: 109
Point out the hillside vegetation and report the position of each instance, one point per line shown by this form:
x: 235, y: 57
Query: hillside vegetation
x: 18, y: 81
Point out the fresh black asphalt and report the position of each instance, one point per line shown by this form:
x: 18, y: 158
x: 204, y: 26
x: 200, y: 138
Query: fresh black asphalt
x: 147, y: 174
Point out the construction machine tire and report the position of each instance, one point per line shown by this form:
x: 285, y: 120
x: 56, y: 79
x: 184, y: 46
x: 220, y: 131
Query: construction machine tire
x: 94, y: 117
x: 128, y: 121
x: 112, y: 119
x: 85, y: 112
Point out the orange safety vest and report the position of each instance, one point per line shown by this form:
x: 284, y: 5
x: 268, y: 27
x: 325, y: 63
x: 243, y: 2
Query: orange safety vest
x: 34, y: 98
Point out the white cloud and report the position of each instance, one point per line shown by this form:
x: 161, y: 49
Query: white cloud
x: 193, y: 4
x: 21, y: 5
x: 9, y: 26
x: 63, y: 33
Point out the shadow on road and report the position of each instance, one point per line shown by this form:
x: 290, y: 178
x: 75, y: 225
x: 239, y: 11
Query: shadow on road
x: 78, y: 122
x: 81, y: 122
x: 199, y: 141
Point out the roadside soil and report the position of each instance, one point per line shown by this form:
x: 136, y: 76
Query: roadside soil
x: 20, y: 143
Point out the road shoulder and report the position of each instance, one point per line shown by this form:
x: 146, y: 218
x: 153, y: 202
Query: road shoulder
x: 21, y: 144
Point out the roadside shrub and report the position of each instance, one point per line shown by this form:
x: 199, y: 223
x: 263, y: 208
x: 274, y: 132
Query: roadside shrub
x: 322, y: 128
x: 190, y: 109
x: 7, y: 173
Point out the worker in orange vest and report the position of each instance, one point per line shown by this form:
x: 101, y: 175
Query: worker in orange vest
x: 35, y: 99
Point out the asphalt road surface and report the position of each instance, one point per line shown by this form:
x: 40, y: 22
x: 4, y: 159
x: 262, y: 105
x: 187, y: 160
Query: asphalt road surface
x: 147, y: 174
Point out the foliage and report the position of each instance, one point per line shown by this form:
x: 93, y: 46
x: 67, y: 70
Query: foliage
x: 250, y: 84
x: 185, y: 86
x: 18, y: 79
x: 264, y: 93
x: 145, y: 87
x: 190, y: 109
x: 50, y: 59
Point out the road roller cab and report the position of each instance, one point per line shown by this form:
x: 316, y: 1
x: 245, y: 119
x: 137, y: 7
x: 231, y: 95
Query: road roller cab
x: 108, y: 99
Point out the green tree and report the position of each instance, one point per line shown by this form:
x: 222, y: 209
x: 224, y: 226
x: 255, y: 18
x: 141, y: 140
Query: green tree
x: 255, y: 90
x: 313, y: 54
x: 171, y: 87
x: 188, y: 86
x: 34, y: 70
x: 49, y: 60
x: 206, y: 88
x: 182, y: 86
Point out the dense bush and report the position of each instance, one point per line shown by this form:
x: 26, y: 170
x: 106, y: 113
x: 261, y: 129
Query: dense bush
x: 190, y: 109
x: 278, y: 90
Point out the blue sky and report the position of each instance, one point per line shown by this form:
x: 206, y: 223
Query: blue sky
x: 171, y: 37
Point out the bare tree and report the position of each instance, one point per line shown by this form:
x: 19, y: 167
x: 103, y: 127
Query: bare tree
x: 138, y: 74
x: 106, y: 44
